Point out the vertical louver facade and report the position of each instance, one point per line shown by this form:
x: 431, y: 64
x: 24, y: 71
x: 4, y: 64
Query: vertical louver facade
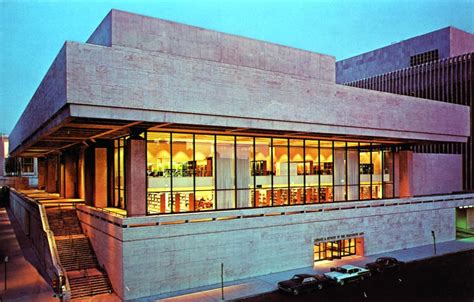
x: 448, y: 80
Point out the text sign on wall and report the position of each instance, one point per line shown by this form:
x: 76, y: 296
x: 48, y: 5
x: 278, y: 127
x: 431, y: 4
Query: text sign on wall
x: 338, y: 237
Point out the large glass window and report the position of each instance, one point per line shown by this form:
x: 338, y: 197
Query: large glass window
x: 297, y: 170
x: 198, y: 172
x: 118, y: 200
x: 262, y: 171
x: 205, y: 172
x: 352, y: 171
x: 245, y: 178
x: 388, y: 164
x: 281, y: 167
x: 366, y: 169
x: 326, y: 168
x: 182, y: 171
x: 339, y: 171
x: 377, y: 175
x: 159, y: 172
x: 312, y: 171
x: 225, y: 168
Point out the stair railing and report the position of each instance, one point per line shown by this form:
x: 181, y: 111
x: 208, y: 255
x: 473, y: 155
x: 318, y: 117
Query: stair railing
x: 58, y: 272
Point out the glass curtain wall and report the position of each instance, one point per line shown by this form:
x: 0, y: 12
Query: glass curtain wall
x: 312, y: 171
x: 297, y: 171
x: 366, y: 169
x: 201, y: 172
x: 119, y: 174
x: 340, y: 171
x: 388, y: 160
x: 352, y: 171
x: 262, y: 172
x: 326, y: 171
x: 281, y: 166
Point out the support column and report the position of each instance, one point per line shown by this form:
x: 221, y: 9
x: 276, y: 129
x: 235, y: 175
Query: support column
x: 81, y: 187
x: 52, y: 171
x: 100, y: 180
x: 470, y: 218
x: 406, y: 173
x: 135, y: 176
x: 42, y: 173
x: 70, y: 174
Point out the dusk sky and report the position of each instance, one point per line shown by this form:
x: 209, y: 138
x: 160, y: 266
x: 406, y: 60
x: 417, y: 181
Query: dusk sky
x: 32, y: 32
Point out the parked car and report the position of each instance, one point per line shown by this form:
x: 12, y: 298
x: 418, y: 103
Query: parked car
x: 302, y: 283
x: 347, y: 273
x: 384, y: 264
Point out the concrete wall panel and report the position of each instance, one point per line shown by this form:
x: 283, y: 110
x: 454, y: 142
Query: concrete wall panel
x: 157, y: 35
x: 448, y: 41
x: 436, y: 173
x: 119, y: 77
x: 47, y: 100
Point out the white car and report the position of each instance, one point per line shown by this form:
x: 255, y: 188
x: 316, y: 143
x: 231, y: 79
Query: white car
x: 347, y: 273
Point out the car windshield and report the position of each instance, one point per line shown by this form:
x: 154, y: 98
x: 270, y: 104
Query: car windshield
x: 296, y: 278
x: 341, y: 270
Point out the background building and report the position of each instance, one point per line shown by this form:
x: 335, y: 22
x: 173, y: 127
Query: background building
x: 436, y: 66
x: 181, y: 148
x: 20, y: 172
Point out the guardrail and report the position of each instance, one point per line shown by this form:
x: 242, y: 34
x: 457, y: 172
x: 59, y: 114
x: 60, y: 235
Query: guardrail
x: 47, y: 250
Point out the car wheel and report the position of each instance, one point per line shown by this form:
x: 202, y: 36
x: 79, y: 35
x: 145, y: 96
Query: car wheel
x: 295, y: 292
x: 320, y: 286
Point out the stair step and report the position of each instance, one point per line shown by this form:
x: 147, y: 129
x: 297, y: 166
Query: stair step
x: 76, y: 253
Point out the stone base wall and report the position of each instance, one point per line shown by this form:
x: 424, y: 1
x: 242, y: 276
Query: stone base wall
x: 160, y: 256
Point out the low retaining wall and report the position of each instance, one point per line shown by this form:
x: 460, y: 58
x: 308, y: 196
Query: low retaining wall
x: 27, y: 214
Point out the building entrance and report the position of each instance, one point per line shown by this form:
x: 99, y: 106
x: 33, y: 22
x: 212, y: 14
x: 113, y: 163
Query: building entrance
x: 334, y: 249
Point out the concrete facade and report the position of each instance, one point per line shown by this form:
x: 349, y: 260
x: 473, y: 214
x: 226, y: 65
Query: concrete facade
x: 137, y: 83
x: 159, y: 256
x: 449, y: 79
x: 448, y: 41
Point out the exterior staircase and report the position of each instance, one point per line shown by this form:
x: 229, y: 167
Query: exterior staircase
x: 76, y: 254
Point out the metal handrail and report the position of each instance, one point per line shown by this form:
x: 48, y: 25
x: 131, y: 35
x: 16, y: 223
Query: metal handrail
x: 64, y: 286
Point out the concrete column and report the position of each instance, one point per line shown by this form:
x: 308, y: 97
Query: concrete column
x: 135, y: 175
x: 70, y: 176
x: 406, y: 173
x: 470, y: 218
x: 100, y: 179
x: 42, y: 171
x: 81, y: 188
x: 396, y: 177
x: 52, y: 172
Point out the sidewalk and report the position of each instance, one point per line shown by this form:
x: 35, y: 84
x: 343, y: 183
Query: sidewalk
x: 24, y: 282
x: 267, y: 283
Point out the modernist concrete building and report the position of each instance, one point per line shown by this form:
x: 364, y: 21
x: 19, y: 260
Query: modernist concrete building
x: 437, y: 66
x: 184, y: 148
